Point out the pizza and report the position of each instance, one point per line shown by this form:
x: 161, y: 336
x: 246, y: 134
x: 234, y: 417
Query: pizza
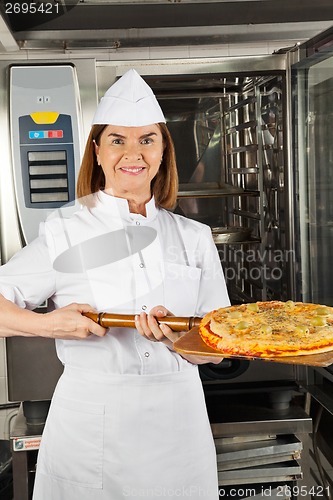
x: 269, y: 329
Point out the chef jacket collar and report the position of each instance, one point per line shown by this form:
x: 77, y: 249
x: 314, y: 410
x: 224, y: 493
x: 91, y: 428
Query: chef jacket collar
x: 120, y: 206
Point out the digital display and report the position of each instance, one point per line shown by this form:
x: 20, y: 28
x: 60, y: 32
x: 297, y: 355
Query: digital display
x: 46, y: 134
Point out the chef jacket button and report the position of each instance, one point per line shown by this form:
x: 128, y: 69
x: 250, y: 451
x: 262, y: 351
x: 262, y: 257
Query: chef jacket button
x: 147, y: 354
x: 137, y: 223
x: 141, y: 264
x: 144, y: 307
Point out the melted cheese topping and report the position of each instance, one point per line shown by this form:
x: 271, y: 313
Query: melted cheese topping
x: 268, y: 329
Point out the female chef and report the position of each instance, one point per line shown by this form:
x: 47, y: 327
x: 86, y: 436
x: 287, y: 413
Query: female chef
x: 128, y: 416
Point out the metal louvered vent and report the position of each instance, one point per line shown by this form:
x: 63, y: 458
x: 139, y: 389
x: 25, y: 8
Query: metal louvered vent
x: 48, y: 176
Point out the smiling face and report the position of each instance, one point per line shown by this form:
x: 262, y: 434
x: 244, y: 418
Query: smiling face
x: 130, y: 158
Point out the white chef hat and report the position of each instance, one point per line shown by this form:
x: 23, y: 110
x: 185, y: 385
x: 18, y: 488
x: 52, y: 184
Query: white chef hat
x: 129, y: 102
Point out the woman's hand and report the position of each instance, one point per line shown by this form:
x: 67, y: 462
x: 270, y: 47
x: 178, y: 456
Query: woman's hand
x: 68, y: 323
x: 147, y: 325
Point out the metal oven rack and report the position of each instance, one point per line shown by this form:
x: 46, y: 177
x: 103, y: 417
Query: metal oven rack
x: 253, y: 137
x: 238, y: 182
x: 260, y: 450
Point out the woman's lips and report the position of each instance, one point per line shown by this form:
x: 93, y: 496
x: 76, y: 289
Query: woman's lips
x: 132, y: 170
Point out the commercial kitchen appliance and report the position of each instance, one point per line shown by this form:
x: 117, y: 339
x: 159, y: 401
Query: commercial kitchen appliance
x: 232, y: 122
x: 44, y: 113
x: 312, y: 84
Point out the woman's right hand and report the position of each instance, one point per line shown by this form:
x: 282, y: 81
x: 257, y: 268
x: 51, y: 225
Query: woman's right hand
x: 69, y: 323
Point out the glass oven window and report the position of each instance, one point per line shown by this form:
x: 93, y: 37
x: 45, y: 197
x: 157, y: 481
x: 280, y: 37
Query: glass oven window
x: 313, y: 170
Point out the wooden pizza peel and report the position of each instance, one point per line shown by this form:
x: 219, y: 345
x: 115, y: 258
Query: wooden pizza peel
x: 191, y: 342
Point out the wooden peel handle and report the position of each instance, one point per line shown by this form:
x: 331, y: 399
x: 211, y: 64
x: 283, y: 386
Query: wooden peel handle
x: 176, y: 323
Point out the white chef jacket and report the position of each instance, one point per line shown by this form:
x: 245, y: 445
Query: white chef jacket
x: 180, y: 270
x: 128, y: 416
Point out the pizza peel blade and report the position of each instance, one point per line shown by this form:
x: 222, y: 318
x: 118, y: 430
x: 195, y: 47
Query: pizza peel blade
x: 192, y: 343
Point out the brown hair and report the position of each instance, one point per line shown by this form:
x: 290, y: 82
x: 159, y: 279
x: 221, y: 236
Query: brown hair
x: 164, y: 186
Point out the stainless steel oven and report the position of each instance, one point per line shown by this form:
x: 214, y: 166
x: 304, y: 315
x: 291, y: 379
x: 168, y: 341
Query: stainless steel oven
x: 230, y: 132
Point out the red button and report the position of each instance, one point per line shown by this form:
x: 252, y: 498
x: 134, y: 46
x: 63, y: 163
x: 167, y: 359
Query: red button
x: 55, y: 134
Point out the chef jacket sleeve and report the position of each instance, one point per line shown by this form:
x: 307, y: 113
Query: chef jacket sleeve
x: 28, y: 278
x: 213, y: 292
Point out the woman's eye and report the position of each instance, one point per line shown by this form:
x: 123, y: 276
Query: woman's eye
x: 147, y: 141
x: 117, y: 141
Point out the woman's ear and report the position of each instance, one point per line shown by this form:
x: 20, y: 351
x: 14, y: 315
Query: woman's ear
x: 96, y: 148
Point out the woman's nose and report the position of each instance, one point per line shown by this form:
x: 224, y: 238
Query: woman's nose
x: 133, y: 152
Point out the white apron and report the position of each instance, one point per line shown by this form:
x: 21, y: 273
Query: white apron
x: 138, y: 437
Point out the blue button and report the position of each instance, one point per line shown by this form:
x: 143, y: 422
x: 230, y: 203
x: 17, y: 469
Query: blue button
x: 36, y: 134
